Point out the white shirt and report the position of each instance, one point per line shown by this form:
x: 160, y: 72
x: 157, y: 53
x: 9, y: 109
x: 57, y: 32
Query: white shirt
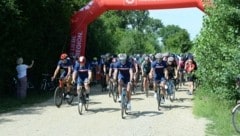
x: 21, y: 70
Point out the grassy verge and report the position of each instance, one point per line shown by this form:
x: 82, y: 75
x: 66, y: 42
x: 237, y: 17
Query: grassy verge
x: 8, y: 104
x: 217, y: 111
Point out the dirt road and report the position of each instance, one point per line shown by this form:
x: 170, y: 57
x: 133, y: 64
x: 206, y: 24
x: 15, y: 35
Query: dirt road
x: 104, y: 118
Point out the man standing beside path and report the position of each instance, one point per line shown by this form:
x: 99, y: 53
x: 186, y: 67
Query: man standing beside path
x: 22, y: 77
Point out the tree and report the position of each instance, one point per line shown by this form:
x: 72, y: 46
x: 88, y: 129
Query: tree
x: 175, y: 39
x: 217, y: 49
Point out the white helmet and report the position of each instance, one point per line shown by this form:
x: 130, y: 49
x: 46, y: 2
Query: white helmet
x: 158, y: 56
x: 171, y: 59
x: 122, y: 58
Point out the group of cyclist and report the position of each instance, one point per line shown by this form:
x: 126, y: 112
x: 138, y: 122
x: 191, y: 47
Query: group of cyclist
x: 126, y: 70
x: 74, y: 70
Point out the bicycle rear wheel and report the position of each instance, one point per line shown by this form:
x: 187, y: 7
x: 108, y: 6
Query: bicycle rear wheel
x: 58, y: 96
x: 236, y: 118
x: 114, y: 93
x: 110, y: 90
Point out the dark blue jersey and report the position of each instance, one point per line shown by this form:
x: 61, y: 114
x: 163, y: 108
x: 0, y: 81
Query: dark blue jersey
x: 123, y: 70
x: 158, y: 68
x: 64, y: 64
x: 82, y: 71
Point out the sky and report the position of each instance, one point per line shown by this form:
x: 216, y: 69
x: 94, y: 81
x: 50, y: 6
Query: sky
x: 190, y: 19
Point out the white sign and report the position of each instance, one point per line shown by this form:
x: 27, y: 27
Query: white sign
x: 130, y: 1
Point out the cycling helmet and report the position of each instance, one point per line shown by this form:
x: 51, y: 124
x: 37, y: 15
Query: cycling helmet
x: 158, y: 56
x: 146, y: 58
x: 63, y: 56
x: 95, y: 58
x: 82, y: 59
x: 170, y: 59
x: 166, y: 54
x: 122, y: 58
x: 107, y: 55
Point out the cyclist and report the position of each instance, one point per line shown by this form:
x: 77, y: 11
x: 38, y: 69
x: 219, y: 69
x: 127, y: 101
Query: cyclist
x: 112, y: 66
x: 123, y: 71
x: 106, y: 67
x: 159, y: 73
x: 135, y: 70
x: 64, y: 66
x: 94, y: 65
x: 180, y: 68
x: 189, y: 68
x: 83, y: 74
x: 146, y: 67
x: 101, y: 72
x: 172, y: 73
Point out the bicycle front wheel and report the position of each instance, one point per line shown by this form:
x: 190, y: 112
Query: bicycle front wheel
x: 158, y: 98
x: 80, y: 104
x: 123, y: 106
x: 236, y: 118
x: 86, y: 105
x: 122, y: 110
x: 58, y: 96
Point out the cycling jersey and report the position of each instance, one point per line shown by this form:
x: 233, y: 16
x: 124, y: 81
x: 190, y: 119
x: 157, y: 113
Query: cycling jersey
x: 82, y: 72
x: 158, y: 69
x: 107, y: 65
x: 112, y: 66
x: 123, y: 71
x: 146, y: 66
x: 171, y: 70
x: 64, y: 64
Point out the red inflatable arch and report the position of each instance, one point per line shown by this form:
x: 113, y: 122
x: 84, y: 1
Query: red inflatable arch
x: 95, y: 8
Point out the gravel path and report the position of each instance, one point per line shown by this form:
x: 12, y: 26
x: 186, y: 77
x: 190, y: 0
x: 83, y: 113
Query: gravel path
x: 104, y: 118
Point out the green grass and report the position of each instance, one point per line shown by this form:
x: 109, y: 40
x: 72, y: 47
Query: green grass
x: 217, y: 111
x: 8, y: 104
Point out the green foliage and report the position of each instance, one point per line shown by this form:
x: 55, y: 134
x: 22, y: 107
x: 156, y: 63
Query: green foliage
x: 175, y: 39
x: 36, y: 30
x: 217, y: 50
x: 40, y: 31
x: 216, y: 110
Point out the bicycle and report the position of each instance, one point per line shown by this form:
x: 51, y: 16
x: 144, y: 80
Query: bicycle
x: 47, y: 84
x: 160, y: 96
x: 236, y: 111
x: 82, y: 102
x: 170, y: 88
x: 113, y: 90
x: 147, y: 87
x: 60, y: 93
